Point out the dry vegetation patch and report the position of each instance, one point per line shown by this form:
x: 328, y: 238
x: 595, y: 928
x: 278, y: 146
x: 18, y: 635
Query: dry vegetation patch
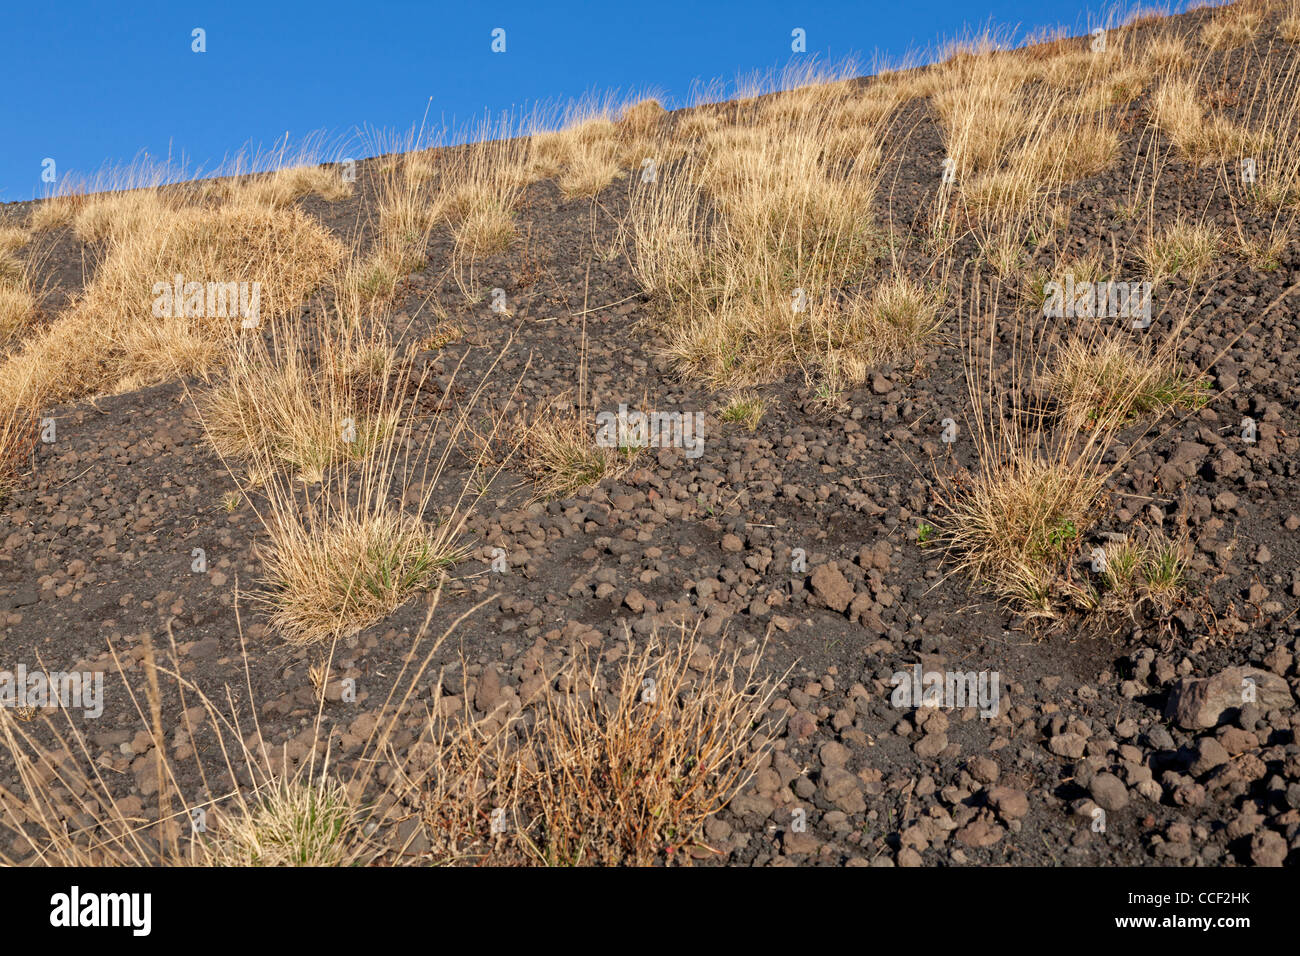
x: 111, y: 338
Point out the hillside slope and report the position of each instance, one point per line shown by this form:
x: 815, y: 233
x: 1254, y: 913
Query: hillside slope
x: 384, y: 505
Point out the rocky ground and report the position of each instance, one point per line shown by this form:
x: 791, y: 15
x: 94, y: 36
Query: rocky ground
x: 799, y: 538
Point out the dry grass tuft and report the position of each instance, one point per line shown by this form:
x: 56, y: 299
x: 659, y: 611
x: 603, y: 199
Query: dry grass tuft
x: 1103, y: 379
x: 596, y: 143
x: 53, y: 212
x: 1184, y: 249
x: 333, y: 577
x: 121, y: 216
x: 1015, y: 521
x: 288, y: 822
x: 1144, y: 568
x: 557, y: 449
x: 755, y: 242
x: 284, y: 186
x: 301, y: 400
x: 1230, y: 28
x: 377, y: 524
x: 16, y: 307
x: 745, y: 409
x: 1177, y: 111
x: 1019, y: 522
x: 629, y: 773
x: 12, y: 238
x: 1166, y: 52
x: 898, y: 319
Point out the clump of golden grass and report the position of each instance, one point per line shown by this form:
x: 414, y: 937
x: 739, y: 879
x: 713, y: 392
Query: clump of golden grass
x: 284, y: 186
x: 337, y: 576
x: 642, y: 118
x: 373, y: 280
x: 301, y: 400
x: 590, y: 168
x: 750, y: 242
x: 1264, y: 252
x: 1289, y: 29
x: 1017, y: 130
x: 17, y: 297
x: 121, y: 215
x: 696, y: 126
x: 1108, y: 378
x: 628, y: 774
x: 898, y: 318
x: 407, y: 216
x: 109, y: 338
x: 981, y: 106
x: 790, y: 202
x: 1278, y: 189
x: 1229, y: 28
x: 480, y: 186
x: 12, y: 238
x: 583, y: 157
x: 1016, y: 520
x: 342, y: 554
x: 906, y: 308
x: 53, y: 212
x: 1166, y: 52
x: 16, y: 306
x: 1183, y: 248
x: 556, y: 448
x: 419, y: 166
x: 1019, y: 521
x: 597, y: 140
x: 1177, y: 111
x: 443, y: 334
x: 485, y: 226
x: 1123, y: 86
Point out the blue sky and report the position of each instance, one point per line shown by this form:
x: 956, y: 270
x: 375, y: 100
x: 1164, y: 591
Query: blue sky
x: 91, y: 85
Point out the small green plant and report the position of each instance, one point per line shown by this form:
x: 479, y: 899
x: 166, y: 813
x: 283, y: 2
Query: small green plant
x: 744, y: 410
x: 1123, y: 564
x: 924, y: 534
x: 398, y: 567
x: 1061, y: 534
x: 1127, y: 211
x: 1138, y: 571
x: 1164, y: 572
x: 827, y: 394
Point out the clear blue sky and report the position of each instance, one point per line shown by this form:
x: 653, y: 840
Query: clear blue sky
x: 90, y: 84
